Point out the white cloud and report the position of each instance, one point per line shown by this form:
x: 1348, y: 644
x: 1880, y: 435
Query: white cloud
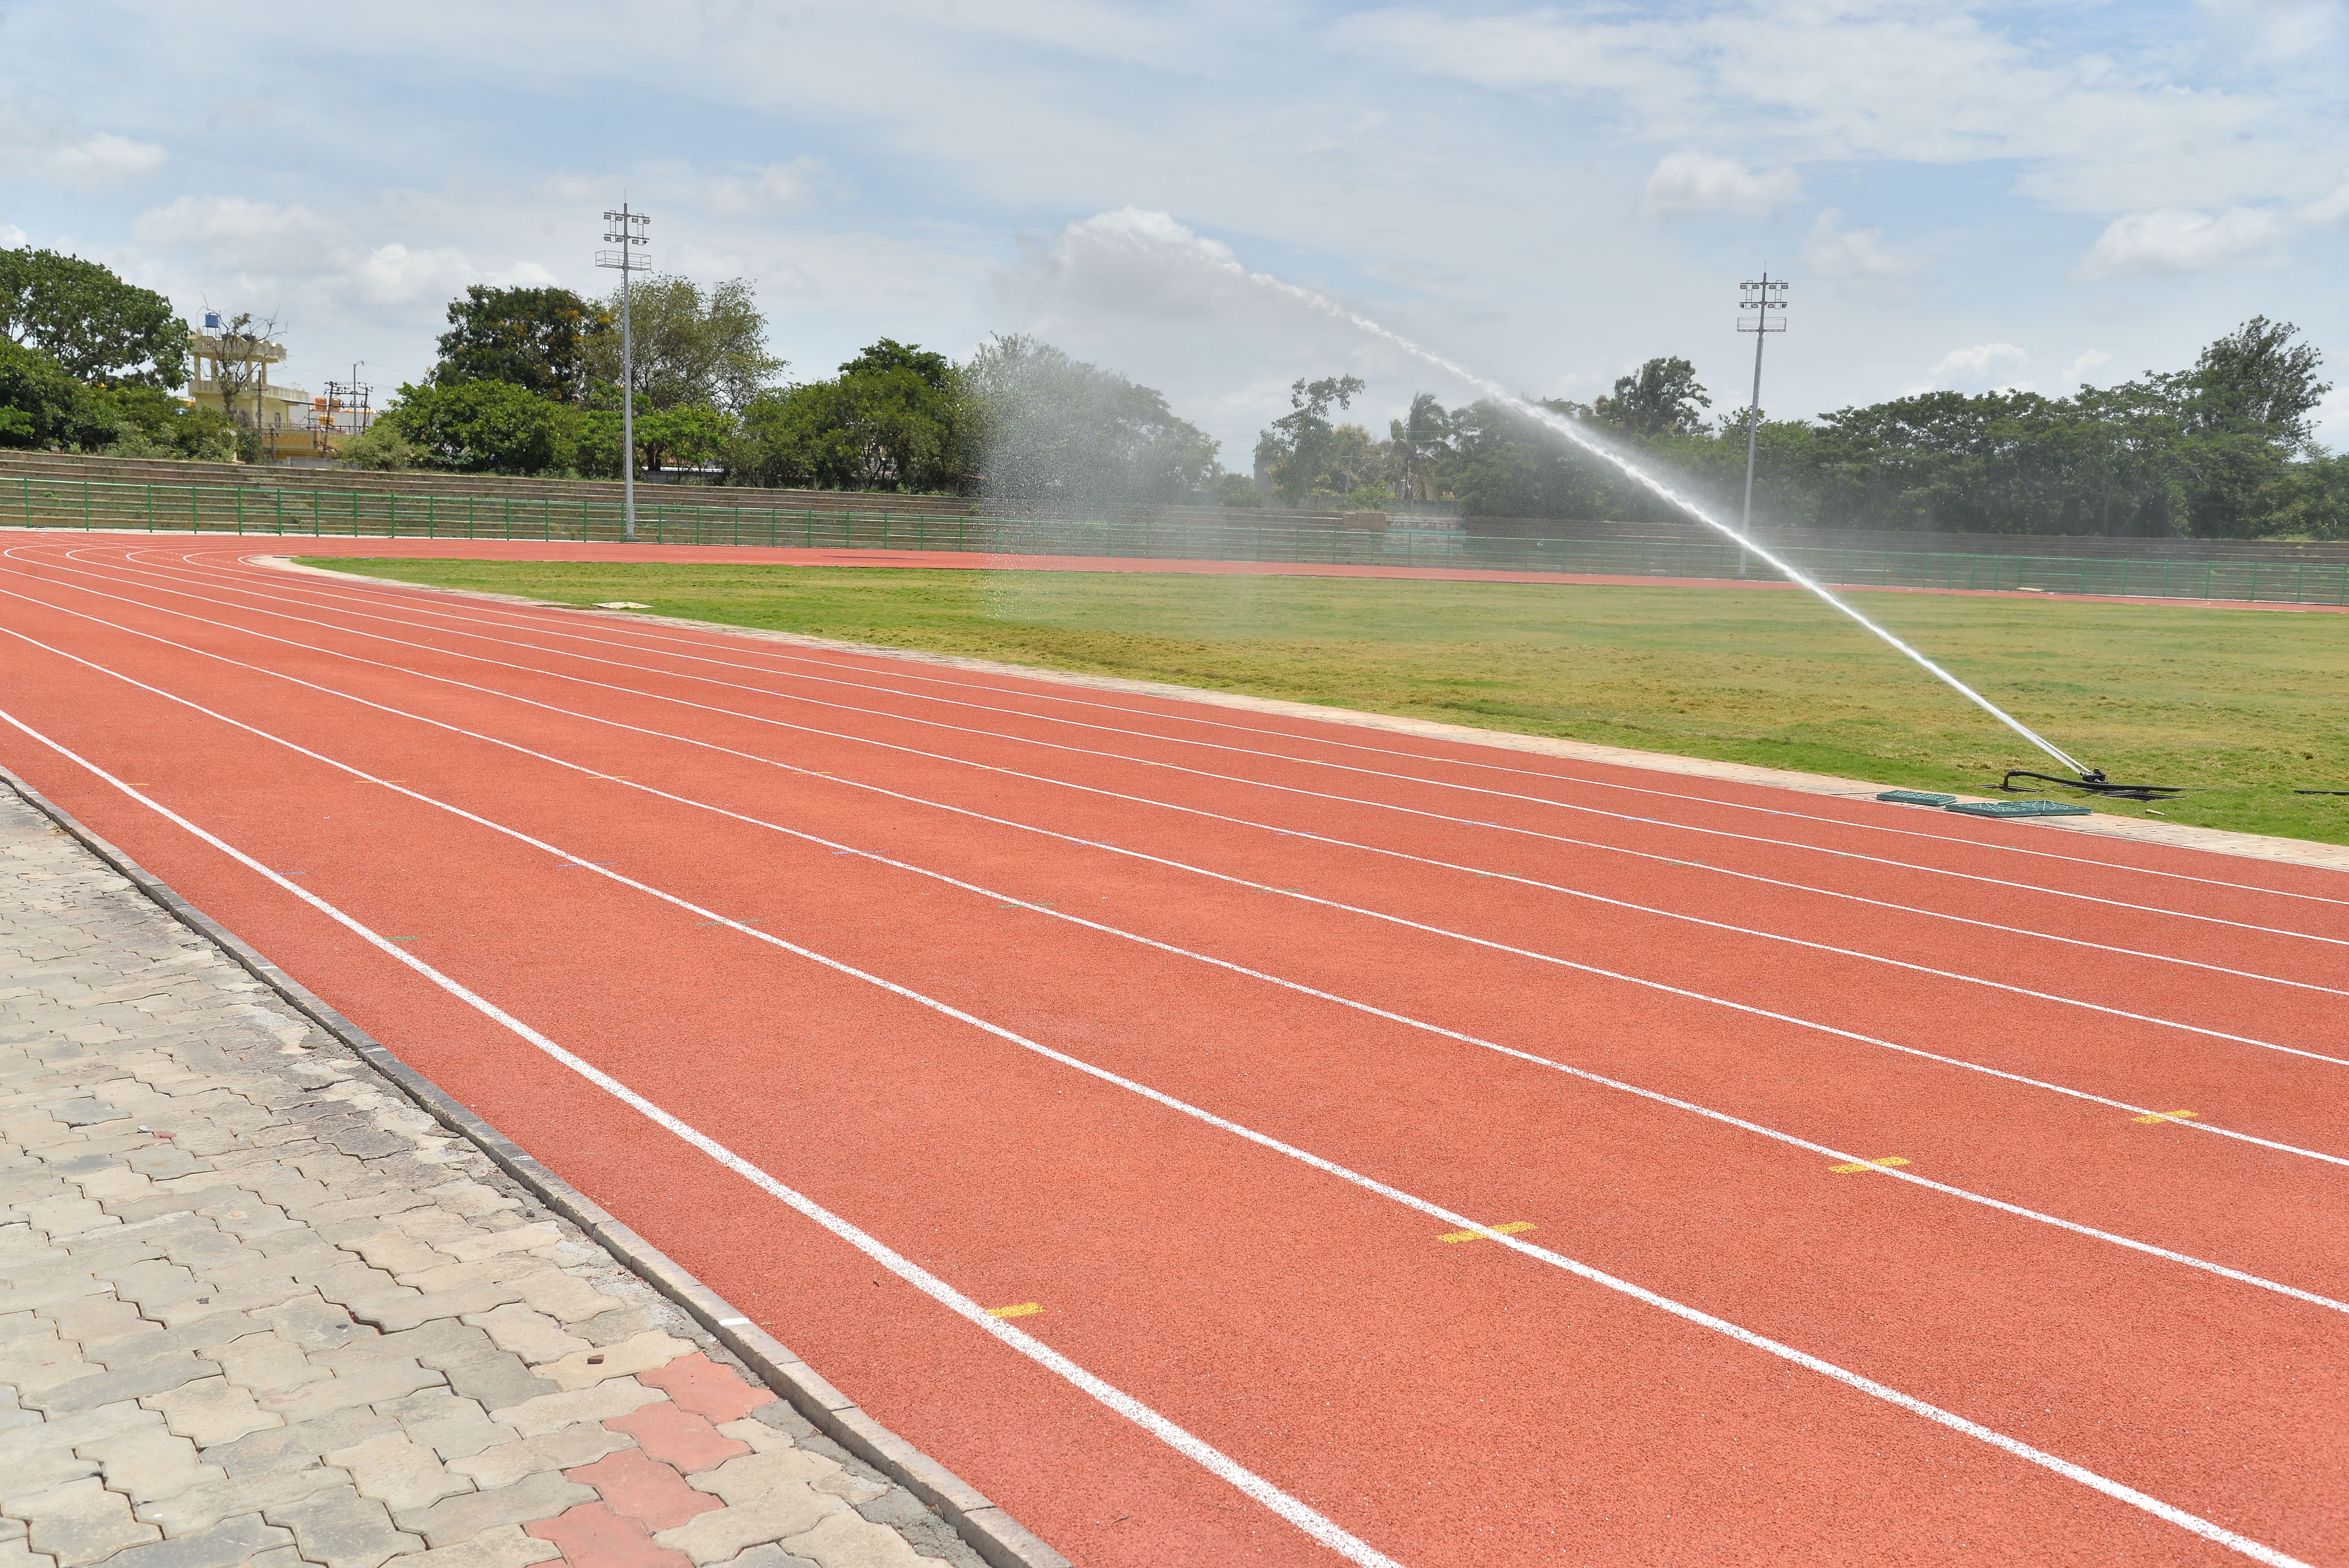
x: 764, y: 193
x: 1853, y: 252
x: 13, y: 238
x: 1976, y: 364
x: 2095, y: 130
x: 2087, y: 362
x: 246, y: 236
x: 104, y: 159
x: 394, y: 274
x: 40, y: 140
x: 1692, y: 181
x: 2172, y: 239
x: 2331, y: 208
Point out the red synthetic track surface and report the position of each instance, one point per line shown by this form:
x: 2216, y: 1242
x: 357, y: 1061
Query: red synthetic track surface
x: 1307, y: 990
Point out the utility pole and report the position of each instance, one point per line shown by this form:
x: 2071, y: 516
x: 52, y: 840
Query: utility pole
x: 1758, y: 298
x: 626, y: 230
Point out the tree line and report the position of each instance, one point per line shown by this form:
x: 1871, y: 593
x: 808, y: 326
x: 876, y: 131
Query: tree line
x: 527, y: 380
x: 88, y: 362
x: 2220, y: 450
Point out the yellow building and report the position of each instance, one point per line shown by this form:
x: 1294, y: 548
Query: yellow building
x: 228, y: 370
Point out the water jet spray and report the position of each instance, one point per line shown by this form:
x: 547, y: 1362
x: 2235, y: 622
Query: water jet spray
x: 2091, y: 779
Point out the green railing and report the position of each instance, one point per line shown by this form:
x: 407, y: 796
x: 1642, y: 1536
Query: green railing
x: 273, y: 511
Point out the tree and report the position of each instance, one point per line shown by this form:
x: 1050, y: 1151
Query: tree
x: 97, y: 327
x: 381, y: 448
x: 151, y: 423
x: 1413, y: 441
x: 482, y: 427
x: 1295, y: 454
x: 1050, y: 427
x: 896, y: 418
x: 533, y: 338
x: 2256, y: 377
x: 683, y: 438
x: 43, y: 407
x: 1502, y: 464
x: 690, y: 347
x: 1661, y: 400
x: 239, y: 352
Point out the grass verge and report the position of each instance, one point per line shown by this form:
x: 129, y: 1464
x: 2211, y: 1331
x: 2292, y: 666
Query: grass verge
x: 2244, y: 704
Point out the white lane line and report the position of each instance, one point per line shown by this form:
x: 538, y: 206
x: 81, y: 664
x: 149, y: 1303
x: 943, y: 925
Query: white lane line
x: 1302, y: 1516
x: 1313, y: 1523
x: 1188, y: 811
x: 1005, y: 900
x: 385, y: 591
x: 1496, y: 876
x: 1169, y: 767
x: 1368, y: 848
x: 1150, y: 762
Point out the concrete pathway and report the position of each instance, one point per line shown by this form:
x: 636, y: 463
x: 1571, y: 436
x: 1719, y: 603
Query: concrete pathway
x: 255, y: 1307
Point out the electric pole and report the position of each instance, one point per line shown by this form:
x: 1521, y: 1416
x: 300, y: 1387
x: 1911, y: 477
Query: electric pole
x: 626, y: 230
x: 1759, y: 299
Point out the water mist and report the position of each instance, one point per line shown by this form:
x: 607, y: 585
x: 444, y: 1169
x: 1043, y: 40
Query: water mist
x: 1574, y: 431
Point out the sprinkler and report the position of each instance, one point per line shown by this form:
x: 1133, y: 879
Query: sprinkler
x: 2094, y: 782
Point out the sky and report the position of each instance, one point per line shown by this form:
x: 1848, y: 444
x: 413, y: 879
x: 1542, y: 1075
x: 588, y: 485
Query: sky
x: 1959, y: 196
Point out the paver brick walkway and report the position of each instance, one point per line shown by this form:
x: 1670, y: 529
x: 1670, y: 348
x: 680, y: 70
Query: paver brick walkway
x: 255, y: 1307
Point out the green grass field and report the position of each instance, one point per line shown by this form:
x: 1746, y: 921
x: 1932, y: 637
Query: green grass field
x: 2244, y: 704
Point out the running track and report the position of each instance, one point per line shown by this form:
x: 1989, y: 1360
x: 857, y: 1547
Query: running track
x: 1413, y: 1151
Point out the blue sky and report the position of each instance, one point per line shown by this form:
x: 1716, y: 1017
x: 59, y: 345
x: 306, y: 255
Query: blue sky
x: 1964, y: 196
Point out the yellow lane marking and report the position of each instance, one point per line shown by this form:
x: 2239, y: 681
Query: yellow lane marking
x: 1025, y: 1309
x: 1515, y: 1227
x: 1855, y: 1170
x: 2163, y: 1116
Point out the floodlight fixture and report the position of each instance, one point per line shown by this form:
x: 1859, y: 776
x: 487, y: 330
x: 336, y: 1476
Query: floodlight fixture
x: 625, y: 229
x: 1759, y: 295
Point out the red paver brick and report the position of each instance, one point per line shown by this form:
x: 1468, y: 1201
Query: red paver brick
x: 591, y: 1536
x: 706, y: 1389
x: 676, y: 1436
x: 644, y: 1488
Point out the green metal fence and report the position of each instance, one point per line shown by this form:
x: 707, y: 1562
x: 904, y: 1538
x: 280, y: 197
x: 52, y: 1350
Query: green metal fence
x: 273, y: 511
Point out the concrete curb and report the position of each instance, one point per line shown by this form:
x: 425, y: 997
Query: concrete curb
x: 2171, y: 835
x: 994, y: 1534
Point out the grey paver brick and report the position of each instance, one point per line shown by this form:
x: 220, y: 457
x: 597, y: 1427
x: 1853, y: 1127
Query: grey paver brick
x: 398, y: 1472
x: 337, y: 1527
x: 455, y: 1519
x: 362, y: 1385
x: 566, y: 1448
x: 230, y: 1544
x: 159, y: 1376
x: 769, y: 1556
x: 452, y: 1425
x: 297, y: 1445
x: 504, y: 1547
x: 212, y: 1410
x: 81, y: 1522
x: 201, y: 1507
x: 148, y: 1463
x: 781, y: 1514
x: 257, y: 1309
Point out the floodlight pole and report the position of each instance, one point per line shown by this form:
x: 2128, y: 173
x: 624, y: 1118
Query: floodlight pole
x: 625, y: 229
x: 1759, y: 301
